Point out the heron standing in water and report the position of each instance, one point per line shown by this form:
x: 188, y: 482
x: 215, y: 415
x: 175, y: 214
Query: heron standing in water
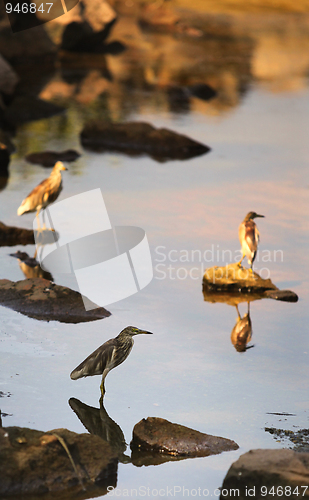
x: 249, y: 238
x: 44, y: 194
x: 109, y: 355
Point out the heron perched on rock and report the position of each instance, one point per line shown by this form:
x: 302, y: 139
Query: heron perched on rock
x: 110, y: 354
x: 44, y: 193
x: 249, y: 237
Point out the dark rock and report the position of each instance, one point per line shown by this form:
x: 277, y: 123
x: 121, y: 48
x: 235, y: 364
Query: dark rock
x: 161, y: 436
x: 138, y: 138
x: 5, y: 139
x: 114, y: 48
x: 80, y: 37
x: 49, y: 158
x: 178, y: 99
x: 4, y: 159
x: 4, y: 164
x: 272, y: 469
x: 284, y: 295
x: 202, y: 91
x: 41, y: 299
x: 26, y: 45
x: 8, y: 77
x: 235, y: 280
x: 11, y: 236
x: 58, y: 461
x: 27, y: 108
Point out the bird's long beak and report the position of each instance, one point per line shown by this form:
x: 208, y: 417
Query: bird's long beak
x: 143, y: 331
x: 257, y: 215
x: 60, y: 166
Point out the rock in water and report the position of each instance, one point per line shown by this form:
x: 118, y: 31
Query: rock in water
x: 41, y: 299
x: 35, y: 463
x: 49, y: 158
x: 271, y: 469
x: 232, y: 279
x: 138, y: 138
x: 163, y: 437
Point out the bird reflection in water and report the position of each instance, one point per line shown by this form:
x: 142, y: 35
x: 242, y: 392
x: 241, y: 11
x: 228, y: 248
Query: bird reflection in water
x: 242, y: 331
x: 98, y: 422
x: 31, y: 267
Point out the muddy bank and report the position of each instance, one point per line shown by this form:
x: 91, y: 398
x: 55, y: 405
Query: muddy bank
x: 137, y: 138
x: 41, y: 299
x: 58, y: 461
x: 159, y: 436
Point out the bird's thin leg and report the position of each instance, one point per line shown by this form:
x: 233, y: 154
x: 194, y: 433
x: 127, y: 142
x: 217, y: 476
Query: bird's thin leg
x: 38, y: 220
x: 239, y: 263
x: 43, y: 217
x: 239, y: 317
x: 102, y: 387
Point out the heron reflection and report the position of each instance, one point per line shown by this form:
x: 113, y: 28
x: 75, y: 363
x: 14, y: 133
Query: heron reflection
x: 98, y: 422
x: 242, y: 331
x: 30, y: 266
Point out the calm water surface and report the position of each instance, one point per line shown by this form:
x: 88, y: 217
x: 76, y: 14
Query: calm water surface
x: 187, y: 372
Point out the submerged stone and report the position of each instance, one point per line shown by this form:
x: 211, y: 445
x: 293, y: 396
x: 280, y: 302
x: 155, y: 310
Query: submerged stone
x: 49, y: 158
x: 138, y: 138
x: 161, y: 436
x: 41, y: 299
x: 58, y: 461
x: 26, y: 108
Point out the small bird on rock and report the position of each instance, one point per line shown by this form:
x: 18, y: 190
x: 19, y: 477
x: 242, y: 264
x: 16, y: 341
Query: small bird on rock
x: 249, y: 238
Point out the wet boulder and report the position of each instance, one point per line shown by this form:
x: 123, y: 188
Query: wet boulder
x: 80, y: 37
x: 49, y: 158
x: 41, y: 299
x: 8, y: 77
x: 157, y: 435
x: 26, y: 108
x: 54, y: 462
x: 138, y: 138
x: 266, y: 473
x: 234, y: 279
x: 11, y: 236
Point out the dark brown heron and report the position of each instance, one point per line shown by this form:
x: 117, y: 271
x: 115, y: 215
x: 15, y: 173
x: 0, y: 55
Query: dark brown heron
x: 107, y: 356
x: 44, y: 194
x: 249, y: 237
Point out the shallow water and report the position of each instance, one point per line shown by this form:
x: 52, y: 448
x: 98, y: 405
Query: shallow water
x: 187, y: 372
